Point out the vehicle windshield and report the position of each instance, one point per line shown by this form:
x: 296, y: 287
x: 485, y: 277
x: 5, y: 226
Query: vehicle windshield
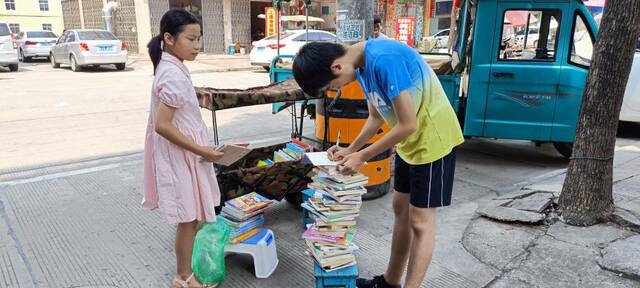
x: 282, y: 36
x: 4, y: 30
x: 96, y: 35
x: 41, y: 34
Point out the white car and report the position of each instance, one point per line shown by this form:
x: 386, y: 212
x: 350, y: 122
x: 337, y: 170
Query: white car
x: 291, y: 41
x: 631, y: 103
x: 79, y: 48
x: 441, y: 39
x: 35, y: 44
x: 8, y: 48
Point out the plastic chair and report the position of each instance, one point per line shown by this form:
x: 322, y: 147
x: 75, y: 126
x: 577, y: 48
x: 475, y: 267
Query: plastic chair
x: 262, y: 248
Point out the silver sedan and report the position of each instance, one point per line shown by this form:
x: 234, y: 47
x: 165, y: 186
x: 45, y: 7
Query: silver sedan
x: 79, y: 48
x: 35, y: 44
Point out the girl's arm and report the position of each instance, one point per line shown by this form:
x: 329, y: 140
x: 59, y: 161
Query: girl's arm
x: 166, y: 129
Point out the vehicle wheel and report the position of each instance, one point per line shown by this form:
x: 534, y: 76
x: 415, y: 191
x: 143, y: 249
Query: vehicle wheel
x: 53, y: 62
x: 21, y: 56
x: 564, y: 148
x: 267, y: 68
x: 13, y: 67
x: 74, y: 64
x: 121, y: 66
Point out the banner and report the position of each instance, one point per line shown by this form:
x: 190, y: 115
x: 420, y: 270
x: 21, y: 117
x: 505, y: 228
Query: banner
x: 270, y: 21
x: 404, y: 30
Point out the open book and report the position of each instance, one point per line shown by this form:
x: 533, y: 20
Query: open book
x: 232, y: 154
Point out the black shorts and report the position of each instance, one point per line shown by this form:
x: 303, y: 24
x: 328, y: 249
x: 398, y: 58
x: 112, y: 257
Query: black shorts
x: 430, y: 185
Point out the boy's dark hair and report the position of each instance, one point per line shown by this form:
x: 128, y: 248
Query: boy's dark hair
x: 172, y: 22
x: 377, y: 20
x: 312, y: 65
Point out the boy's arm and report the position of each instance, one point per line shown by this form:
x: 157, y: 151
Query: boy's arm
x: 370, y: 129
x: 407, y: 123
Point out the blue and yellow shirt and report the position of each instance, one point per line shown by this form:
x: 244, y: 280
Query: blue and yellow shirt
x: 392, y: 67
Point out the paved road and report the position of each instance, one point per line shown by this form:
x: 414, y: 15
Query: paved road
x: 55, y: 115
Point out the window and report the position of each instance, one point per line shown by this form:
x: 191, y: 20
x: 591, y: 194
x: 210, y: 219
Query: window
x: 10, y: 4
x: 325, y: 10
x: 325, y: 37
x: 47, y: 27
x: 41, y: 34
x: 96, y: 35
x: 71, y: 37
x: 44, y: 5
x: 581, y: 43
x: 4, y: 30
x: 529, y: 35
x: 15, y: 28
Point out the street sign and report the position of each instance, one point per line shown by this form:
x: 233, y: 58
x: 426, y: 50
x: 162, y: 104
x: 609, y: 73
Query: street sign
x: 351, y: 30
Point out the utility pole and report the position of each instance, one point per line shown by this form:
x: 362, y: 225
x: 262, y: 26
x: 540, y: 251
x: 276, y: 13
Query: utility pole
x: 354, y: 20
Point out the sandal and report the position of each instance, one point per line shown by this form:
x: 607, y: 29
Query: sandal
x: 179, y: 283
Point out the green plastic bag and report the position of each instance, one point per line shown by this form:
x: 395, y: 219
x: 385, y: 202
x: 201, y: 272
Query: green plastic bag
x: 207, y: 261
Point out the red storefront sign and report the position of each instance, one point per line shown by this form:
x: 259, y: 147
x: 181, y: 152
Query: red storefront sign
x: 404, y: 30
x: 270, y: 21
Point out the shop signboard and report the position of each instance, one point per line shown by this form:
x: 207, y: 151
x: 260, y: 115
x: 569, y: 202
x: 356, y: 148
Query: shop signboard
x: 404, y: 30
x: 351, y: 30
x: 271, y: 20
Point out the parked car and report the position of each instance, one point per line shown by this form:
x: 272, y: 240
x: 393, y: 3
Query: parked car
x: 35, y: 44
x: 80, y: 48
x: 532, y: 37
x: 441, y: 39
x: 8, y: 48
x: 631, y: 103
x: 290, y: 42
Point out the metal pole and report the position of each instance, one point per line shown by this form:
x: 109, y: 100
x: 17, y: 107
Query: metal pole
x: 306, y: 13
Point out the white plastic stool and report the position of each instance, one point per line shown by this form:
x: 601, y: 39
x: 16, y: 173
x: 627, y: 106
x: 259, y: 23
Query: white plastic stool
x: 262, y: 248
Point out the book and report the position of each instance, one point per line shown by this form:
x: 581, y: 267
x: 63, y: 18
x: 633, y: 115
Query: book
x: 232, y: 154
x: 306, y: 147
x: 249, y: 202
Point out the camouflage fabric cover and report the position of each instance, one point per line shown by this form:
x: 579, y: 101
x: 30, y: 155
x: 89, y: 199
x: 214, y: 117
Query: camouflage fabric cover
x: 273, y: 181
x: 219, y: 99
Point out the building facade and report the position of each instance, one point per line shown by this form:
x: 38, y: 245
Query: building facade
x: 24, y: 15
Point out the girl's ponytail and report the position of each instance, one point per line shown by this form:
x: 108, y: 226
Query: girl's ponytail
x: 155, y: 50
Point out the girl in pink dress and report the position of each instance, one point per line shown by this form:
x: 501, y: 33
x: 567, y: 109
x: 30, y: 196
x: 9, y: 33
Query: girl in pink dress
x: 179, y: 178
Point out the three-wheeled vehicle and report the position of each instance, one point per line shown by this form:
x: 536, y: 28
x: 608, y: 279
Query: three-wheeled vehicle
x: 506, y: 87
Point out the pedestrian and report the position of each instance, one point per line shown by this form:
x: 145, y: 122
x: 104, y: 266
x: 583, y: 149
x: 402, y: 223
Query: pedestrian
x: 178, y: 176
x: 377, y: 28
x: 404, y: 92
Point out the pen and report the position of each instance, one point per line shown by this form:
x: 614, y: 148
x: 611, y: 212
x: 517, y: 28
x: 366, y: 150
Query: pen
x: 338, y: 139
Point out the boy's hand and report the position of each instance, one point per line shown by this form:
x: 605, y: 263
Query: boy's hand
x: 336, y: 153
x: 351, y: 164
x: 210, y: 154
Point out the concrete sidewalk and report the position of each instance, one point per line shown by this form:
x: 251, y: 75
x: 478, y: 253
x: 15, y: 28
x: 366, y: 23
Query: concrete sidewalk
x: 550, y: 253
x: 207, y: 63
x: 81, y: 225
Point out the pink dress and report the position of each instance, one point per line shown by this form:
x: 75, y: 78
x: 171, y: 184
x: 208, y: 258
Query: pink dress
x: 175, y: 180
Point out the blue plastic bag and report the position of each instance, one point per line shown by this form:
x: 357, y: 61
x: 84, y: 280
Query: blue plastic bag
x: 207, y: 261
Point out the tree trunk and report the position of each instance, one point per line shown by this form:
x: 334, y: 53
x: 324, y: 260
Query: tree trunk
x: 587, y: 196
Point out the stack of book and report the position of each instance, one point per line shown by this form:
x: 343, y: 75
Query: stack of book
x: 293, y: 151
x: 335, y: 206
x: 245, y: 215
